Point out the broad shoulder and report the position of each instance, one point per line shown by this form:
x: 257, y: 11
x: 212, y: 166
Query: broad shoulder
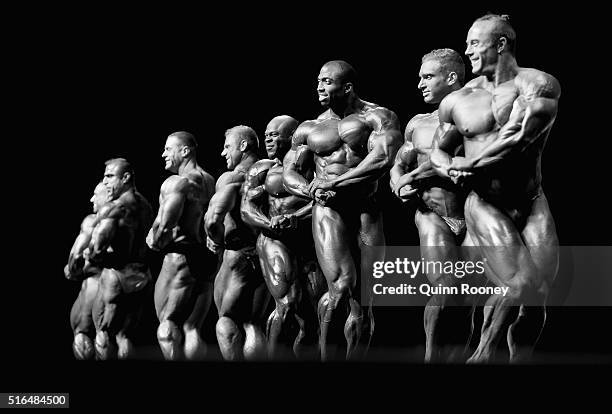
x: 176, y: 184
x: 417, y: 121
x: 380, y: 112
x: 448, y: 103
x: 88, y: 222
x: 229, y: 178
x: 301, y: 133
x: 536, y: 83
x: 260, y: 167
x: 379, y: 117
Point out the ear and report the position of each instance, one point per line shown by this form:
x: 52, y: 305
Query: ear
x: 243, y: 145
x: 452, y: 78
x: 348, y: 87
x: 126, y: 177
x: 185, y: 151
x: 502, y: 42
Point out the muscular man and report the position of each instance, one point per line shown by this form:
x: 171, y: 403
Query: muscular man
x: 503, y: 118
x: 284, y: 245
x: 118, y: 247
x: 240, y: 292
x: 439, y: 216
x: 352, y: 144
x: 183, y: 290
x: 78, y: 268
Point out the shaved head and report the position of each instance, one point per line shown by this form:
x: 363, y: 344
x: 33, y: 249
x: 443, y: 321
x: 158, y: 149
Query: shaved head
x: 283, y: 123
x: 343, y: 70
x: 278, y: 135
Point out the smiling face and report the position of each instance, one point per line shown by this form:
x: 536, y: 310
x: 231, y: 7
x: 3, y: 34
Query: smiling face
x: 173, y: 153
x: 278, y: 137
x: 433, y: 82
x: 481, y: 48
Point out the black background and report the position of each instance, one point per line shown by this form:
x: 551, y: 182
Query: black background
x: 98, y: 83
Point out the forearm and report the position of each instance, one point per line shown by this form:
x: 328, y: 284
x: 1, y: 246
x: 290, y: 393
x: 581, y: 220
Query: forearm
x: 295, y: 183
x: 169, y: 215
x: 527, y: 122
x: 304, y: 212
x: 101, y: 239
x: 161, y: 237
x: 373, y: 166
x: 398, y: 170
x: 214, y: 226
x: 440, y: 161
x: 252, y: 215
x: 424, y: 170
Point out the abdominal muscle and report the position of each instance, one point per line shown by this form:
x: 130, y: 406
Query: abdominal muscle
x: 516, y: 177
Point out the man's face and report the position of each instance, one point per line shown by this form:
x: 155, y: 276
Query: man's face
x: 329, y: 86
x: 113, y: 181
x: 433, y: 82
x: 231, y: 151
x: 481, y: 48
x: 99, y: 198
x: 172, y: 154
x: 277, y: 138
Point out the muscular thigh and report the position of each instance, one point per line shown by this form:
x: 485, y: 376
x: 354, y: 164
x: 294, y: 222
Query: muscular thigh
x: 433, y: 231
x: 371, y: 226
x: 110, y: 289
x: 499, y: 241
x: 234, y: 284
x: 278, y: 265
x: 174, y: 286
x: 333, y: 240
x: 81, y: 317
x: 436, y: 239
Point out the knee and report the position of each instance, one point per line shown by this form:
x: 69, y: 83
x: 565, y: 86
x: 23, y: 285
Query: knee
x: 167, y: 331
x: 83, y: 347
x: 290, y: 301
x: 284, y: 308
x: 342, y: 287
x: 102, y: 340
x: 226, y: 329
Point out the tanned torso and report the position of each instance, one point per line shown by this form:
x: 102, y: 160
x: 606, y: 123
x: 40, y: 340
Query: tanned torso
x: 438, y: 194
x: 479, y: 111
x: 340, y: 145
